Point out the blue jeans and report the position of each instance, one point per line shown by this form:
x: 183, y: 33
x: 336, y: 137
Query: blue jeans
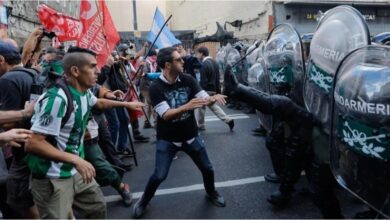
x: 118, y: 122
x: 165, y: 151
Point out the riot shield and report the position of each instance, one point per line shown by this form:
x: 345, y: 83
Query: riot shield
x: 360, y: 131
x: 254, y: 52
x: 284, y: 61
x: 326, y: 52
x: 258, y: 78
x: 257, y: 69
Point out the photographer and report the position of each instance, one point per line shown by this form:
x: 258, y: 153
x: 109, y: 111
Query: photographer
x: 118, y: 79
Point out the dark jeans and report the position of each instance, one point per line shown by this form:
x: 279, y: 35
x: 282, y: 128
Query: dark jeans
x: 105, y: 141
x: 118, y: 122
x: 6, y: 210
x: 165, y: 151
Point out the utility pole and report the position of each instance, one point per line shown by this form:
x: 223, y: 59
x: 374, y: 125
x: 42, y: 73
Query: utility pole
x: 135, y: 15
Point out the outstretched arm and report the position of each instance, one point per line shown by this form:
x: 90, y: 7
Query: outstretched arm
x: 281, y: 107
x: 168, y: 113
x: 15, y: 116
x: 107, y: 104
x: 11, y: 137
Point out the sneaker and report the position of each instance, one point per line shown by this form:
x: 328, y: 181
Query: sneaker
x: 141, y: 138
x: 260, y: 131
x: 231, y: 124
x: 201, y: 128
x: 216, y: 199
x: 126, y: 167
x: 272, y: 178
x: 124, y: 152
x: 138, y: 209
x: 127, y: 196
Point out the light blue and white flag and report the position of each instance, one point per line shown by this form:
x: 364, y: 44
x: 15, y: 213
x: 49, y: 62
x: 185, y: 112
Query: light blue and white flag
x: 166, y: 38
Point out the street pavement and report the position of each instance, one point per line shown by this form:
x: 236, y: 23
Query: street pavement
x: 240, y: 161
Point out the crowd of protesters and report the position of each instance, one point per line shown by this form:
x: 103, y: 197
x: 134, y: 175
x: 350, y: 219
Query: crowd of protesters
x: 65, y: 123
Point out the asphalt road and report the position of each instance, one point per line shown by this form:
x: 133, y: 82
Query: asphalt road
x: 240, y: 161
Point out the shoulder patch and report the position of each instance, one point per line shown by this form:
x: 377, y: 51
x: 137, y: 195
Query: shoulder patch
x: 45, y: 120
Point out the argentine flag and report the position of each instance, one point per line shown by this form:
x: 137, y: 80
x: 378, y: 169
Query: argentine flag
x: 166, y: 38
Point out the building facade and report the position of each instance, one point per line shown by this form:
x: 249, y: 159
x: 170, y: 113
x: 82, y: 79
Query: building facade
x: 23, y: 19
x: 302, y: 14
x: 248, y: 20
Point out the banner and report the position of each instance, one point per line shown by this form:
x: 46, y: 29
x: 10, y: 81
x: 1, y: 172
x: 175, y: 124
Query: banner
x: 166, y: 38
x: 99, y: 33
x: 66, y: 27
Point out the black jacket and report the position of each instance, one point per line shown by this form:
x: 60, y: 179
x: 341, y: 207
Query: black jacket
x: 209, y: 75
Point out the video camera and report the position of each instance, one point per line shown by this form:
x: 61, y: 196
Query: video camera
x: 47, y: 34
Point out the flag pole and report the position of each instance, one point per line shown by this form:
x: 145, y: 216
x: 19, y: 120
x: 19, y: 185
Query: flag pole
x: 151, y: 46
x: 141, y: 66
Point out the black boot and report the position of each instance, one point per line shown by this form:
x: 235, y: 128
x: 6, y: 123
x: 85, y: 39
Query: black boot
x: 277, y: 153
x: 322, y: 191
x: 279, y: 199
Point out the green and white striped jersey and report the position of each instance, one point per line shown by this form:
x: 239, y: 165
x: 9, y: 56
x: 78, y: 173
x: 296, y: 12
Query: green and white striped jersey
x: 49, y: 111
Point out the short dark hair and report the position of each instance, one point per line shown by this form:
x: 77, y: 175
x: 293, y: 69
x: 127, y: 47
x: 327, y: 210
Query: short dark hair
x: 81, y: 50
x: 10, y: 53
x: 12, y: 59
x: 203, y: 50
x: 76, y: 56
x: 152, y: 53
x: 165, y: 55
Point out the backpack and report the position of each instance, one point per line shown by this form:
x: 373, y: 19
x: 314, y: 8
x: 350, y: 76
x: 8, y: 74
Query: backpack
x: 42, y: 82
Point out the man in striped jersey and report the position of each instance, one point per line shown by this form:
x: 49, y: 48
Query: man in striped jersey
x: 61, y: 178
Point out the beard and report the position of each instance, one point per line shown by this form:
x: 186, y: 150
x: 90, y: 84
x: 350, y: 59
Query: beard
x: 177, y: 71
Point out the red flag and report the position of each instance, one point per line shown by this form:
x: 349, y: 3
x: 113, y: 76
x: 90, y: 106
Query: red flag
x: 99, y: 33
x: 66, y: 27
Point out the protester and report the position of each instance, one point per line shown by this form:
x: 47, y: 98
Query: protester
x: 8, y: 138
x: 149, y: 67
x: 174, y: 97
x: 209, y: 81
x: 56, y: 148
x: 106, y: 174
x: 15, y: 82
x: 12, y: 138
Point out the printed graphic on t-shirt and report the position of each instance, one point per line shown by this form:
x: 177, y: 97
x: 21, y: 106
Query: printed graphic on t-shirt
x: 177, y: 98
